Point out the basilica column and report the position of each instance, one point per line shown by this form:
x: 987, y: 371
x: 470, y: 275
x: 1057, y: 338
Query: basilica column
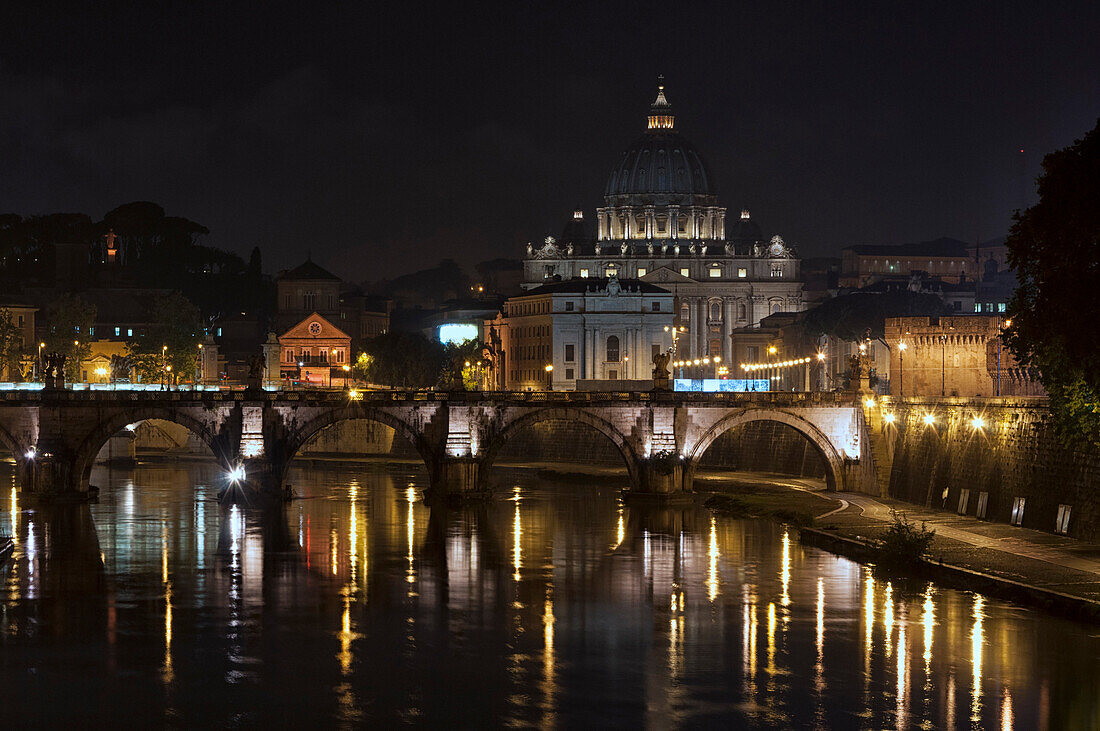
x: 628, y: 222
x: 674, y: 221
x: 727, y: 330
x: 721, y: 224
x: 650, y: 222
x: 601, y: 224
x: 701, y: 342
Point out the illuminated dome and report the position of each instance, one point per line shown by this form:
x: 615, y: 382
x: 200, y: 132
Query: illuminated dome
x: 661, y: 166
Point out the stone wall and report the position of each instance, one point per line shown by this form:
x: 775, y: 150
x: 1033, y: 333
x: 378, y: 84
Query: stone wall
x: 1012, y: 454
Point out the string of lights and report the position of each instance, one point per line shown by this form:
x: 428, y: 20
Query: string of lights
x: 775, y: 364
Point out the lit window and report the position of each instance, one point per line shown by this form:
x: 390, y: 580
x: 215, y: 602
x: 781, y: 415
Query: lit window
x: 777, y: 270
x: 742, y: 272
x: 610, y: 272
x: 118, y: 331
x: 219, y: 332
x: 715, y: 272
x: 642, y: 272
x: 130, y: 332
x: 685, y: 272
x: 977, y: 307
x: 613, y: 349
x: 1000, y: 307
x: 584, y: 274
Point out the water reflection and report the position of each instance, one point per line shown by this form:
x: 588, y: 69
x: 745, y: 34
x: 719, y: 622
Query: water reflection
x: 552, y: 605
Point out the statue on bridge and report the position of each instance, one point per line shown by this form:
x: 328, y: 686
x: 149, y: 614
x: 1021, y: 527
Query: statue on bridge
x: 660, y: 371
x: 121, y: 368
x: 54, y: 373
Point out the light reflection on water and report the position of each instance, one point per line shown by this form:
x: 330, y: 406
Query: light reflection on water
x: 553, y: 605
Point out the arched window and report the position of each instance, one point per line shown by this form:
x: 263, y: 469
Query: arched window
x: 613, y: 349
x: 685, y: 312
x: 740, y: 312
x: 715, y: 311
x: 777, y: 306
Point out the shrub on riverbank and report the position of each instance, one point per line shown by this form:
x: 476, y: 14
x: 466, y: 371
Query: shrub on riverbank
x: 736, y: 507
x: 904, y: 544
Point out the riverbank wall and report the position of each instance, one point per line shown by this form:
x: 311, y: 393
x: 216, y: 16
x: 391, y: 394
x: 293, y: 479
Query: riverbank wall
x: 993, y: 458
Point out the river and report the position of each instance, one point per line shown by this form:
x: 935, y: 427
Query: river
x: 552, y: 605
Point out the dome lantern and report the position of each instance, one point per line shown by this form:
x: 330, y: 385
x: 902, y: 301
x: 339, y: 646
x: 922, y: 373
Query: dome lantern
x: 660, y: 112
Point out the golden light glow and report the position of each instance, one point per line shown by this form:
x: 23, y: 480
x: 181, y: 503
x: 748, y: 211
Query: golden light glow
x: 1007, y: 723
x: 977, y: 637
x: 869, y: 403
x: 344, y: 656
x: 410, y: 529
x: 929, y: 419
x: 977, y: 422
x: 14, y: 511
x: 517, y: 535
x: 929, y: 621
x: 888, y: 616
x: 712, y: 571
x: 771, y: 350
x: 621, y: 532
x: 903, y: 346
x: 785, y: 573
x: 820, y: 621
x: 333, y: 542
x: 902, y: 672
x: 771, y: 639
x: 888, y: 418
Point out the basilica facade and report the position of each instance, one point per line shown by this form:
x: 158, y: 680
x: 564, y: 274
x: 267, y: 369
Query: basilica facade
x: 662, y: 223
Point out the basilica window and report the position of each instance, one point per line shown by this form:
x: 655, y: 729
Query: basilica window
x: 568, y: 306
x: 740, y: 312
x: 685, y: 272
x: 584, y: 274
x: 685, y: 312
x: 777, y: 270
x: 715, y: 311
x: 655, y: 307
x: 308, y: 300
x: 610, y: 272
x: 742, y: 272
x: 715, y: 272
x: 642, y: 272
x: 613, y: 349
x: 569, y: 353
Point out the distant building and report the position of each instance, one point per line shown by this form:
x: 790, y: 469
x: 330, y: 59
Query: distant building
x: 23, y: 317
x: 307, y: 289
x: 945, y: 258
x: 594, y: 329
x: 315, y: 352
x: 955, y: 356
x: 661, y: 222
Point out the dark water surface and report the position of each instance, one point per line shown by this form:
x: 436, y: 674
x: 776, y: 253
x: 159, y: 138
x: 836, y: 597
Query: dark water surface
x: 553, y: 605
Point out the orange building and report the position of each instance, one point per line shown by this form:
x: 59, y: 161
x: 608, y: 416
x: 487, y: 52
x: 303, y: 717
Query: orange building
x: 315, y: 352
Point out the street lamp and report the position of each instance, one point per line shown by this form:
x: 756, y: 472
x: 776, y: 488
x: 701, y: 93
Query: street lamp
x: 40, y: 369
x: 902, y: 346
x: 1000, y: 340
x: 202, y: 369
x: 549, y: 377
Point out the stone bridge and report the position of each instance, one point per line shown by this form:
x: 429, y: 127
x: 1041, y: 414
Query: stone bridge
x: 55, y: 436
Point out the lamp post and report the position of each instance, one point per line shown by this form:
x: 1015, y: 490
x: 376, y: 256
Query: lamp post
x: 202, y: 373
x: 824, y: 371
x: 901, y: 368
x: 40, y: 368
x: 164, y: 366
x: 1000, y: 340
x: 549, y: 377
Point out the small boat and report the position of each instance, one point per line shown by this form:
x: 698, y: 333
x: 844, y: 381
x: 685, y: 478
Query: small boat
x: 7, y: 546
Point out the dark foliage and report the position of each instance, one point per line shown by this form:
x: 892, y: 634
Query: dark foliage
x: 1054, y: 246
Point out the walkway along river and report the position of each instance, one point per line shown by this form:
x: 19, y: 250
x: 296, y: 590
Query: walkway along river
x: 553, y: 604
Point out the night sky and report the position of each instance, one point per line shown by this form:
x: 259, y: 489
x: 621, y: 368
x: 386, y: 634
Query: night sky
x: 381, y: 140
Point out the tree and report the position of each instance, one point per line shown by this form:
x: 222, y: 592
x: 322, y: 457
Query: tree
x: 407, y: 360
x: 68, y: 331
x: 1054, y: 246
x: 11, y: 347
x: 169, y: 351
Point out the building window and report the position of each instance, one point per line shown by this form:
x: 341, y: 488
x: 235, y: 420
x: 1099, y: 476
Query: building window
x: 740, y: 312
x: 613, y: 375
x: 983, y: 505
x: 742, y: 272
x: 613, y: 349
x: 685, y: 312
x: 131, y: 332
x: 1000, y: 307
x: 1018, y: 511
x: 777, y: 270
x: 20, y: 321
x: 570, y: 352
x: 655, y: 307
x: 715, y: 311
x: 1061, y: 522
x: 91, y: 331
x: 584, y: 274
x: 569, y: 374
x: 715, y: 272
x: 642, y: 272
x: 977, y: 307
x: 568, y: 306
x: 685, y: 272
x: 610, y: 272
x: 754, y: 353
x: 118, y: 331
x: 777, y: 307
x: 307, y: 300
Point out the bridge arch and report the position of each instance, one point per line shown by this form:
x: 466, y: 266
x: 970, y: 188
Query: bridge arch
x: 498, y: 439
x: 19, y: 454
x: 300, y: 436
x: 834, y: 463
x: 89, y: 447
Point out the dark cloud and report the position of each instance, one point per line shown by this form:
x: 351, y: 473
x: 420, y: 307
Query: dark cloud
x: 382, y: 138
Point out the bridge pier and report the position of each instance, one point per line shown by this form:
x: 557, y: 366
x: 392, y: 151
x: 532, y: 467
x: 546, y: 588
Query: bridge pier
x: 660, y: 477
x: 459, y: 476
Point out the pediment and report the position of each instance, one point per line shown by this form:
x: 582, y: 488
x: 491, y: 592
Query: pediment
x: 664, y: 274
x: 315, y: 327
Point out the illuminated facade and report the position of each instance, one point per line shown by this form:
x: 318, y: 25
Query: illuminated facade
x: 592, y: 329
x: 661, y: 223
x: 315, y: 351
